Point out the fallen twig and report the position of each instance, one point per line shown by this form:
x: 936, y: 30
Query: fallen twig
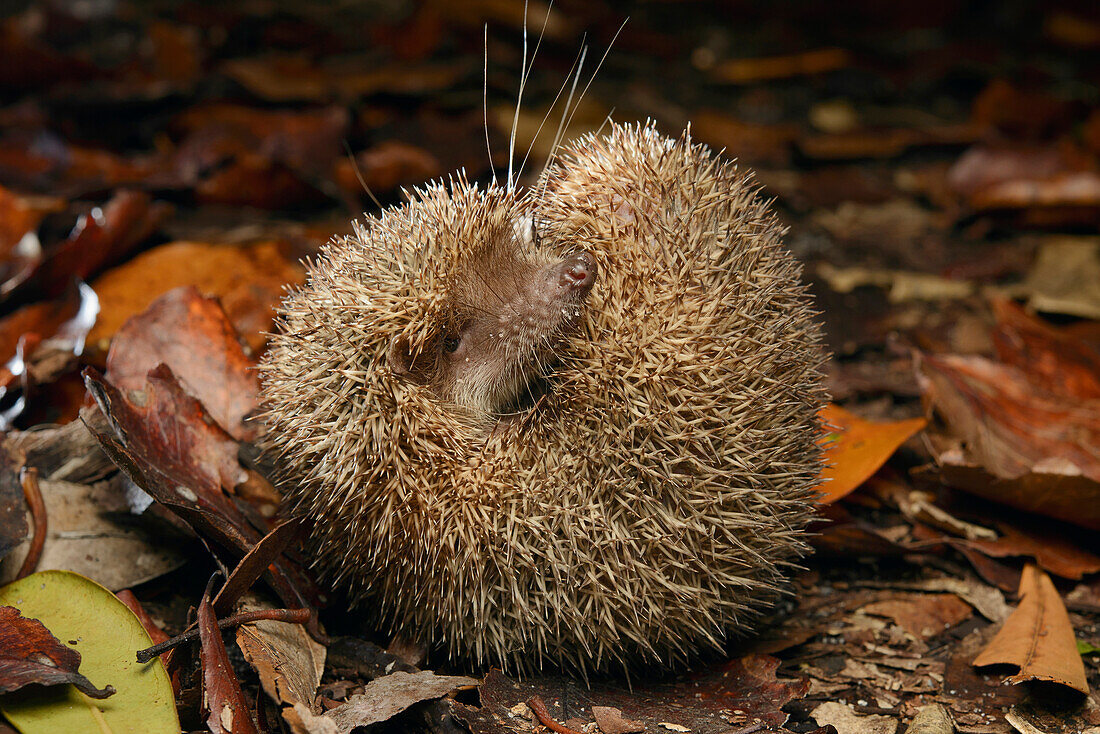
x: 295, y: 616
x: 539, y: 708
x: 33, y: 494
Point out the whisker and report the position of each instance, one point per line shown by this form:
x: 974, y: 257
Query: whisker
x: 561, y: 90
x: 359, y: 175
x: 519, y: 98
x: 485, y: 104
x: 596, y: 72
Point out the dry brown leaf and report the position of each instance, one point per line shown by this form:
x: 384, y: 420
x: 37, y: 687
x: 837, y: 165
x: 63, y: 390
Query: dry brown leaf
x: 611, y: 721
x: 1066, y: 277
x: 287, y: 661
x: 922, y: 615
x: 89, y: 532
x: 931, y: 719
x: 1038, y: 637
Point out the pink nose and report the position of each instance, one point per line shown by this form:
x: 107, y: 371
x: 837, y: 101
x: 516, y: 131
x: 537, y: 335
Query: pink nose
x: 578, y: 271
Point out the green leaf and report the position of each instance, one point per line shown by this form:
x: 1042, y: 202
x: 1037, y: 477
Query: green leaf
x: 90, y: 619
x: 1087, y: 648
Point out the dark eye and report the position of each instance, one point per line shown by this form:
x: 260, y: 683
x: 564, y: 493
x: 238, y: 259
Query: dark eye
x: 450, y: 344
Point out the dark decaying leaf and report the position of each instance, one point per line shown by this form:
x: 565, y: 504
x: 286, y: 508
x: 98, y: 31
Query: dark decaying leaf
x: 99, y: 239
x: 49, y: 347
x: 13, y: 509
x: 30, y: 654
x: 168, y: 445
x: 228, y: 711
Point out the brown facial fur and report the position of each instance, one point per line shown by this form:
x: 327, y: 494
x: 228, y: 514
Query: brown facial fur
x: 507, y: 310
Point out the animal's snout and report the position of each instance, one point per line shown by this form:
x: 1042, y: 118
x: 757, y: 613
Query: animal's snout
x: 578, y: 272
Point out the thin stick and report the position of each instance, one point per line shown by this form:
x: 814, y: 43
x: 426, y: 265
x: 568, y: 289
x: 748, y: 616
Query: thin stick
x: 296, y: 616
x: 33, y: 495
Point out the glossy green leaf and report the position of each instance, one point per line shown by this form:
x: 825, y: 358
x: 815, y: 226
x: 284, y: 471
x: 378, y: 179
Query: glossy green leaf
x: 90, y: 619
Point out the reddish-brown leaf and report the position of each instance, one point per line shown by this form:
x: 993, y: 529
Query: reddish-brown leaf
x: 193, y: 336
x: 1046, y: 354
x: 1041, y: 446
x: 30, y: 654
x: 223, y: 700
x: 168, y: 445
x: 247, y: 279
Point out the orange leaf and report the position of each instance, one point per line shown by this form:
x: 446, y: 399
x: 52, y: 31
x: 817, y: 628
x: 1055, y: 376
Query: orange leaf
x: 1038, y: 637
x: 855, y: 449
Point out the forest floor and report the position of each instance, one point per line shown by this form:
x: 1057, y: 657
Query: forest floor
x: 938, y: 167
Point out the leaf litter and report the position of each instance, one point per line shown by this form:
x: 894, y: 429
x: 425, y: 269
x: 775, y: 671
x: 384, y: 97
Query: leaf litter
x: 162, y: 174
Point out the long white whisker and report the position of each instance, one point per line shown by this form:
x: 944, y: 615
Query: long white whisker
x: 485, y: 105
x: 519, y: 99
x: 604, y: 123
x: 561, y: 90
x: 359, y: 175
x: 597, y: 71
x: 565, y: 111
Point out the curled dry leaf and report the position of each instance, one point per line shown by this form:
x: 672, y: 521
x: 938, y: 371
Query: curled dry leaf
x: 192, y: 335
x: 287, y: 661
x: 1041, y: 447
x: 166, y: 442
x: 1038, y: 637
x: 30, y: 654
x: 856, y: 448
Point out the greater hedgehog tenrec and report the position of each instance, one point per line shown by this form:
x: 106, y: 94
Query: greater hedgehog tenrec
x: 576, y: 426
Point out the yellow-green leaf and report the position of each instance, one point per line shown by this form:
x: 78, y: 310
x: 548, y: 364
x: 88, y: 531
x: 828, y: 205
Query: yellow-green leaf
x: 90, y: 619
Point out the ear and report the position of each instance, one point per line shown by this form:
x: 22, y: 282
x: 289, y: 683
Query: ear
x: 402, y: 361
